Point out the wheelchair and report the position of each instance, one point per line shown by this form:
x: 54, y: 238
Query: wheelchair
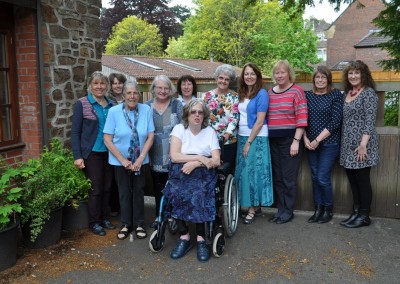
x: 226, y: 219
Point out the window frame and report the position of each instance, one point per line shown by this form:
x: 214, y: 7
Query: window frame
x: 7, y: 29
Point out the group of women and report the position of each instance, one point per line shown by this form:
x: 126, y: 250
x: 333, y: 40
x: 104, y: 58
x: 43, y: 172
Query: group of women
x: 182, y: 141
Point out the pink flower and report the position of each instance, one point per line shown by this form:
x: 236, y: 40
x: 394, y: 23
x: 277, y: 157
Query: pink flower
x: 212, y: 104
x: 221, y: 126
x: 235, y: 108
x: 207, y: 96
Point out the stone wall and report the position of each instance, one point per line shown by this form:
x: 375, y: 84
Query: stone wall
x: 71, y: 52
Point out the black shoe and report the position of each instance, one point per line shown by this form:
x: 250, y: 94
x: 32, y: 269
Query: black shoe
x: 108, y: 225
x: 98, y: 230
x: 181, y: 248
x: 359, y: 221
x: 283, y: 221
x: 203, y: 253
x: 317, y: 214
x: 243, y: 214
x: 172, y: 226
x: 154, y: 224
x: 273, y: 219
x: 326, y: 216
x: 250, y: 220
x: 352, y: 216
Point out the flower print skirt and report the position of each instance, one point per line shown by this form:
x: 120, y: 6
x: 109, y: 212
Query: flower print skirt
x: 192, y: 197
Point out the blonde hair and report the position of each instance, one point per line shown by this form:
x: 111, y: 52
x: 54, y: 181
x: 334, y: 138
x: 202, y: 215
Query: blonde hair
x: 284, y: 64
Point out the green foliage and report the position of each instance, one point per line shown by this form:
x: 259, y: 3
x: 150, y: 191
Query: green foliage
x: 49, y: 182
x: 236, y: 33
x: 389, y: 21
x: 392, y: 108
x: 133, y: 36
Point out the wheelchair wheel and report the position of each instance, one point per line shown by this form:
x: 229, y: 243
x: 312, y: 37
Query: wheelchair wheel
x: 218, y: 244
x: 156, y: 241
x: 231, y: 206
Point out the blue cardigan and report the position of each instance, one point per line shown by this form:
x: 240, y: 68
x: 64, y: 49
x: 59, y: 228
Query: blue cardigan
x: 257, y: 104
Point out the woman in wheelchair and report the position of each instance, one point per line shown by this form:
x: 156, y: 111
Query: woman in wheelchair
x: 195, y: 155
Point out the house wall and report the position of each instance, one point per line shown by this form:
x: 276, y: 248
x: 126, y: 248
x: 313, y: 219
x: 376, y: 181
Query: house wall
x: 57, y: 47
x: 371, y: 56
x: 349, y: 28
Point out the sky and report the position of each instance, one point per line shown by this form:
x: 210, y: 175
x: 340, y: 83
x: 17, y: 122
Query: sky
x: 320, y: 11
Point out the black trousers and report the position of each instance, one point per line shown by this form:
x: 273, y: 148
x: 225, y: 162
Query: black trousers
x: 229, y: 155
x: 131, y: 196
x: 361, y: 188
x: 159, y: 181
x: 183, y: 229
x: 285, y: 169
x: 100, y: 173
x: 114, y: 196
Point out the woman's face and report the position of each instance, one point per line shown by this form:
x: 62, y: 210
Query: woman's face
x: 223, y: 81
x: 281, y: 76
x: 320, y: 81
x: 99, y: 88
x: 187, y: 89
x: 116, y: 86
x: 250, y: 77
x: 196, y: 115
x: 162, y: 90
x: 354, y: 77
x: 131, y: 96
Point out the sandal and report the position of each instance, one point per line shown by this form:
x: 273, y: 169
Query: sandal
x: 123, y: 233
x: 250, y: 220
x: 140, y: 233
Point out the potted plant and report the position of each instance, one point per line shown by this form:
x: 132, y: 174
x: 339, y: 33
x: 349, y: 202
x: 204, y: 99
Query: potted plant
x: 10, y: 206
x: 75, y: 213
x: 53, y: 183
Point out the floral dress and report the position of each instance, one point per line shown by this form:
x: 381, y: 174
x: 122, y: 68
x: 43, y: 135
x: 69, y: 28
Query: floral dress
x: 224, y: 115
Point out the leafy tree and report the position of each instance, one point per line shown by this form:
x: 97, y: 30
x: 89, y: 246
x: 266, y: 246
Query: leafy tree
x: 389, y: 21
x: 392, y: 109
x: 235, y: 33
x: 153, y: 11
x: 133, y: 36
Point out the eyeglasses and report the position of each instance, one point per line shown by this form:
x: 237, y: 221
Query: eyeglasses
x: 220, y: 78
x: 321, y: 78
x: 166, y: 89
x: 198, y: 112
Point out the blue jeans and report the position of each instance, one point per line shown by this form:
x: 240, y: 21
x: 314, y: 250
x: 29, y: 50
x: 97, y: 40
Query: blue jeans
x: 321, y: 162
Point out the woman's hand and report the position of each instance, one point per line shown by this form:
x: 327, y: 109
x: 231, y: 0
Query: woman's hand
x: 294, y: 148
x: 79, y: 163
x: 245, y: 150
x: 190, y: 166
x: 226, y: 136
x: 361, y: 153
x: 137, y: 164
x: 307, y: 143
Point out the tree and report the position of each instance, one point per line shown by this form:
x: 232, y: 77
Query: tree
x: 133, y: 36
x: 235, y: 33
x: 153, y: 11
x: 389, y: 21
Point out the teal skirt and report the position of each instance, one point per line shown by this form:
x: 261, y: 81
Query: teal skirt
x: 254, y: 173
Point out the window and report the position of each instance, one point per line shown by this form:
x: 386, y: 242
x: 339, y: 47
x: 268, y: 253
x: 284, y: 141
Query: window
x: 9, y: 125
x: 321, y: 53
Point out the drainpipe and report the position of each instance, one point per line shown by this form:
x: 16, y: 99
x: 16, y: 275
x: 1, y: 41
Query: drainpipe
x: 42, y: 99
x: 211, y: 57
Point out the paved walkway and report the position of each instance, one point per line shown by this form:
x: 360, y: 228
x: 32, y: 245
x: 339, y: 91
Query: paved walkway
x: 296, y: 252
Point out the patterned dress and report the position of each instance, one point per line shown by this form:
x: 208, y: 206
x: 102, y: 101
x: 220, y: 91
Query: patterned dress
x: 359, y: 117
x: 224, y: 115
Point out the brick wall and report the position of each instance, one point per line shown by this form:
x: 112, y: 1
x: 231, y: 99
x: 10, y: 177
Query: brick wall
x: 349, y: 29
x: 371, y: 56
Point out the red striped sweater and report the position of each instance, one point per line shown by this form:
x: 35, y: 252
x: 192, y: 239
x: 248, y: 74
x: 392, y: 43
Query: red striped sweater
x: 286, y: 111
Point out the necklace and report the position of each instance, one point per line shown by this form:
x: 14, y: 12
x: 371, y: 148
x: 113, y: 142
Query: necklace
x: 354, y: 93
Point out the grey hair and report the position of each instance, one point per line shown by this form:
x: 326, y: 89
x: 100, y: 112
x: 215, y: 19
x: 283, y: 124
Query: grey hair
x: 188, y: 107
x: 165, y: 79
x: 131, y: 83
x: 227, y: 69
x: 97, y: 75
